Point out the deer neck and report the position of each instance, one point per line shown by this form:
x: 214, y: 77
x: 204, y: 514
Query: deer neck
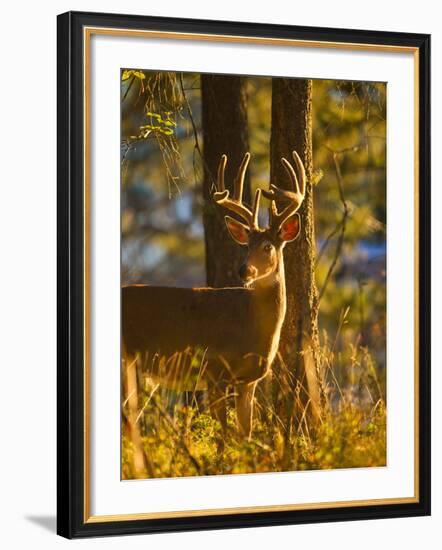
x: 274, y: 284
x: 272, y: 300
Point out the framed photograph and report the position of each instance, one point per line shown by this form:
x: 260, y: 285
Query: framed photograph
x: 243, y: 274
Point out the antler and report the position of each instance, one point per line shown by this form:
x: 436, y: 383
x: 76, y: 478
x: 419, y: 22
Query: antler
x: 235, y: 204
x: 294, y: 197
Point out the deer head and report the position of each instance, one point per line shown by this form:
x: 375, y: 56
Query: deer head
x: 265, y: 245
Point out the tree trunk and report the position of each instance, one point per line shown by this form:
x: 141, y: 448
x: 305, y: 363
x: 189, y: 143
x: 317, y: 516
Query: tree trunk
x: 292, y: 130
x: 224, y: 122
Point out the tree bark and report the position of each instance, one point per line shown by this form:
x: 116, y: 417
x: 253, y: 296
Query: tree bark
x: 224, y: 122
x: 292, y: 130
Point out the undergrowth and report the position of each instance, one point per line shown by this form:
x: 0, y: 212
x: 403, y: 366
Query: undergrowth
x: 178, y: 436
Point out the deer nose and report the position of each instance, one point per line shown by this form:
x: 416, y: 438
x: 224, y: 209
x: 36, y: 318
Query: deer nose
x: 247, y: 272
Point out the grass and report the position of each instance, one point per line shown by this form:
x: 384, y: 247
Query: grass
x: 174, y: 438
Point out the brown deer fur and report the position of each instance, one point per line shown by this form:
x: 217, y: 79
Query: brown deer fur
x: 237, y: 329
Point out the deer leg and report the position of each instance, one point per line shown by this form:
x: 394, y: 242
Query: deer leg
x: 217, y: 404
x: 132, y: 429
x: 244, y: 407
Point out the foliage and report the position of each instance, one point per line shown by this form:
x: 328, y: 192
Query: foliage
x: 182, y: 439
x: 126, y: 74
x: 161, y: 173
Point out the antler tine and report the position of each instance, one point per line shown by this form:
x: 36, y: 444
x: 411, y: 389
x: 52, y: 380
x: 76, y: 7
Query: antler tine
x: 292, y: 174
x: 294, y: 197
x: 222, y: 195
x: 301, y: 171
x: 255, y: 210
x: 238, y: 184
x: 273, y: 212
x: 221, y: 171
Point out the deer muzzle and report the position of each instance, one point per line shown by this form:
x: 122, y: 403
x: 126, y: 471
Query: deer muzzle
x: 247, y: 273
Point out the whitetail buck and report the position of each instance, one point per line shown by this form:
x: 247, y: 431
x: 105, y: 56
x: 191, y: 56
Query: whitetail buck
x: 237, y: 329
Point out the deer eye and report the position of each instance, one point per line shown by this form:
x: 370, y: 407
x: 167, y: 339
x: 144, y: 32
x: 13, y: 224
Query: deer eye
x: 268, y: 247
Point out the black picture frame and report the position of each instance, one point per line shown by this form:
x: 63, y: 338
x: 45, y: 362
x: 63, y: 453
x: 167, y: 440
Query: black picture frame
x: 71, y: 522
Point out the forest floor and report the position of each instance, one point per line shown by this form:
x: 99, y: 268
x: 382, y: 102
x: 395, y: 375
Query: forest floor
x: 175, y: 439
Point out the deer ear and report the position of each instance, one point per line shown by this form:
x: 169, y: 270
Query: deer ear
x: 238, y: 231
x: 289, y: 230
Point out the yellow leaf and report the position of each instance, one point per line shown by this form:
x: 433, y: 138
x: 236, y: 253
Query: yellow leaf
x: 126, y: 74
x: 139, y: 74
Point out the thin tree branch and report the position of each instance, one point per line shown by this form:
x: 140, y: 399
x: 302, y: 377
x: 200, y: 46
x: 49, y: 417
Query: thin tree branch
x: 327, y: 242
x: 343, y: 222
x: 129, y: 87
x: 194, y: 129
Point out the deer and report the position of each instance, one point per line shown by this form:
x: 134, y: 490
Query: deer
x: 237, y: 328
